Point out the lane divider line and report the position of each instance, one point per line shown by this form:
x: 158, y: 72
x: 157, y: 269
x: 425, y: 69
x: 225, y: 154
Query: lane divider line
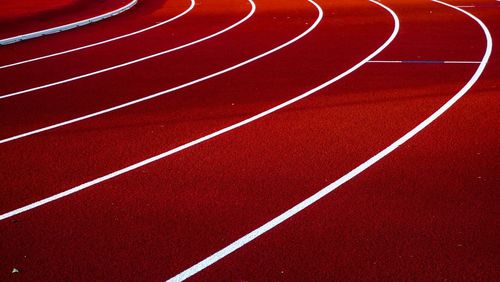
x: 424, y: 62
x: 149, y: 57
x: 192, y: 143
x: 480, y: 6
x: 65, y: 27
x: 353, y: 173
x: 191, y: 6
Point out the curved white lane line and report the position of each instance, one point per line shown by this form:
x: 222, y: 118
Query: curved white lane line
x: 134, y: 61
x: 182, y: 147
x: 423, y: 62
x: 60, y: 28
x: 191, y: 6
x: 325, y: 191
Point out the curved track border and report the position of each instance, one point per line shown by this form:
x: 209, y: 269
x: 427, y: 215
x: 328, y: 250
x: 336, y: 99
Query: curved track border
x: 353, y: 173
x: 191, y: 6
x: 65, y: 27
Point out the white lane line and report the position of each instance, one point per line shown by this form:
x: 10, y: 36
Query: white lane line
x: 60, y: 28
x: 191, y: 6
x: 158, y: 94
x: 192, y: 143
x: 424, y: 62
x: 325, y: 191
x: 133, y: 61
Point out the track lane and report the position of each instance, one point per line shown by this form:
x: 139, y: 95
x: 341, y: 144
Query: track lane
x: 150, y: 226
x: 74, y: 13
x: 146, y: 13
x: 15, y: 10
x: 427, y: 49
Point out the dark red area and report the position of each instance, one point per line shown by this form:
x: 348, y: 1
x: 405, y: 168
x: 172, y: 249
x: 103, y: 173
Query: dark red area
x: 428, y: 211
x: 37, y: 19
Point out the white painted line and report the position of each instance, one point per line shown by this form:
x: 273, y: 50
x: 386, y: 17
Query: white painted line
x: 424, y: 62
x: 57, y: 29
x: 462, y: 62
x: 158, y: 94
x: 133, y: 61
x: 325, y: 191
x: 199, y: 140
x: 191, y: 6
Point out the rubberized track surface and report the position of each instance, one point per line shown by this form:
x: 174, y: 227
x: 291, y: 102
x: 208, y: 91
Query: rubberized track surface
x: 151, y: 200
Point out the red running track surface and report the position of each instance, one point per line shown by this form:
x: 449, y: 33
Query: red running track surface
x: 428, y: 211
x: 16, y: 10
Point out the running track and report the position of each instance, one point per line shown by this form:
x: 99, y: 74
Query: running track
x: 428, y: 210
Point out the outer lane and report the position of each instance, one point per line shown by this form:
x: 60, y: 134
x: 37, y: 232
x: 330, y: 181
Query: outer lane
x: 425, y: 212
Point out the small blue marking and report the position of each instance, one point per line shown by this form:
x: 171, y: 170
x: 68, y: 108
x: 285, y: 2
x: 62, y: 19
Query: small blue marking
x: 422, y: 62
